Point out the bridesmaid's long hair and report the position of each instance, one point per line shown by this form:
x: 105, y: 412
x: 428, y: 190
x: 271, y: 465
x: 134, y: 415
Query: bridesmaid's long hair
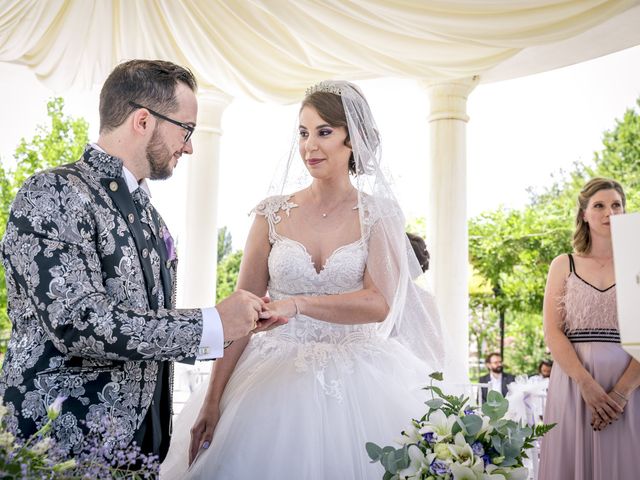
x: 581, y: 236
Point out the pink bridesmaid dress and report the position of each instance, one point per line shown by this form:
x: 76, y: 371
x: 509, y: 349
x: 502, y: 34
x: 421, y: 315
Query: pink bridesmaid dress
x: 572, y: 450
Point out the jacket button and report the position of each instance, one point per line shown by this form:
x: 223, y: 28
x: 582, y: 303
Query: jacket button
x: 113, y: 186
x: 131, y: 218
x: 145, y: 253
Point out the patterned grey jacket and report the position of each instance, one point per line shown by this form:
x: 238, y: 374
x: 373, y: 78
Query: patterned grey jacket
x: 90, y: 300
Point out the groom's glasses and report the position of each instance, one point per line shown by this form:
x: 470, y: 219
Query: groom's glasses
x: 186, y: 126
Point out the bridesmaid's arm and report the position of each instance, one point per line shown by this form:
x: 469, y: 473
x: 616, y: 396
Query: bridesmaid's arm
x: 627, y: 384
x: 603, y: 407
x: 253, y: 277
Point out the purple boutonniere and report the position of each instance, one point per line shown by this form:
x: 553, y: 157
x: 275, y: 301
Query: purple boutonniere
x: 169, y: 243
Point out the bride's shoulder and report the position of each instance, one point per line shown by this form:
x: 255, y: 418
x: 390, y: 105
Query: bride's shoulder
x: 375, y: 207
x: 270, y: 206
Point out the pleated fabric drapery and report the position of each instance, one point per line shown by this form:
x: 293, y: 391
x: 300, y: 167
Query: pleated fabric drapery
x: 273, y: 49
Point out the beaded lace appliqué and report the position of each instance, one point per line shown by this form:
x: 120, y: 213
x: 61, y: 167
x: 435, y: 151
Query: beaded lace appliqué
x: 326, y: 350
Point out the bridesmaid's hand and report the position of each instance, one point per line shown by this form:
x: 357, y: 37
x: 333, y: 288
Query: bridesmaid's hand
x: 604, y: 409
x: 202, y: 430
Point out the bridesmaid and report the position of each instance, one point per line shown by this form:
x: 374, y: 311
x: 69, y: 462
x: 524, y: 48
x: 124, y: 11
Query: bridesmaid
x: 592, y: 394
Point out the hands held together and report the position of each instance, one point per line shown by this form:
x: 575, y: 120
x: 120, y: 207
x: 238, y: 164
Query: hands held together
x: 243, y: 312
x: 606, y: 407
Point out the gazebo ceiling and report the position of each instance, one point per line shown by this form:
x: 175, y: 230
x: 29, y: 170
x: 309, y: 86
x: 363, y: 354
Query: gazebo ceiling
x: 273, y: 49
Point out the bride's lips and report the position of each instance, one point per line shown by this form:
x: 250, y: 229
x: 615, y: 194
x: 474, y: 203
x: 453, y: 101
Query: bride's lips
x: 314, y: 161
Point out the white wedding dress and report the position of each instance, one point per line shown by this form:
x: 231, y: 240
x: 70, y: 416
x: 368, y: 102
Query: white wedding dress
x: 304, y: 398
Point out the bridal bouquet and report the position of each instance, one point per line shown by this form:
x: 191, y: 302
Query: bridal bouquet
x: 454, y: 441
x: 38, y: 457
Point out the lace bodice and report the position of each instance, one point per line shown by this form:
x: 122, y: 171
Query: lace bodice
x: 586, y: 307
x: 292, y: 272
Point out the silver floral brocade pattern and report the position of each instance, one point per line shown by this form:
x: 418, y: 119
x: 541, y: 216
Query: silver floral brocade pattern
x: 314, y: 343
x: 80, y: 303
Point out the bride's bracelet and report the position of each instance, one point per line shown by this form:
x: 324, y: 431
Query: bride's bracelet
x: 295, y: 304
x: 620, y: 395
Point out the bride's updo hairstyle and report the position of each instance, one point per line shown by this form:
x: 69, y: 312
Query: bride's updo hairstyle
x: 329, y: 107
x: 581, y: 236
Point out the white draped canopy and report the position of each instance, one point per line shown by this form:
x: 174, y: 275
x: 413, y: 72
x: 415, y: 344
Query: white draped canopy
x: 273, y: 49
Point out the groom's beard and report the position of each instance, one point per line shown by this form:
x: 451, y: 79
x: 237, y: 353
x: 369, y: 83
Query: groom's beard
x: 159, y: 158
x: 497, y: 369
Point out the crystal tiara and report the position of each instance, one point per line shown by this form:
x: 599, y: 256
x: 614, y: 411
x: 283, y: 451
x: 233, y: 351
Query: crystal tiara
x: 324, y: 86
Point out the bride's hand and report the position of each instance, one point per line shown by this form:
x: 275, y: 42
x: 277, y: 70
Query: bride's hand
x: 280, y: 308
x: 202, y: 430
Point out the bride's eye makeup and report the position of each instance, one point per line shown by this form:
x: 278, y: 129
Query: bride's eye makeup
x: 324, y: 132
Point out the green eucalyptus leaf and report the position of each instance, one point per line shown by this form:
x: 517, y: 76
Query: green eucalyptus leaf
x: 374, y: 451
x: 435, y: 403
x: 437, y: 376
x: 472, y: 424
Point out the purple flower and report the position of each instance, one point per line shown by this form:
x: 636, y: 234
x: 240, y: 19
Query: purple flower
x: 469, y: 411
x: 429, y: 437
x: 439, y: 467
x: 53, y: 411
x: 477, y: 448
x: 486, y: 459
x: 168, y: 242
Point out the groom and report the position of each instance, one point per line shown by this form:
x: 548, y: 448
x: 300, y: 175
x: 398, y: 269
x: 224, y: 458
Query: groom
x: 90, y: 272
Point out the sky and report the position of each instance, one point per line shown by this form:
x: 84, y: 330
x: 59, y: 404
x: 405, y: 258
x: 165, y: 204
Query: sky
x: 520, y: 132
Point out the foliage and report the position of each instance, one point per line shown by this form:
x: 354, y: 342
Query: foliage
x: 59, y: 142
x: 224, y: 243
x: 510, y: 250
x: 454, y: 440
x: 525, y: 342
x: 227, y: 278
x: 228, y: 265
x: 40, y: 458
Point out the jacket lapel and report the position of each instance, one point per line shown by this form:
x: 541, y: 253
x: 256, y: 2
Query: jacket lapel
x: 119, y: 193
x: 164, y: 261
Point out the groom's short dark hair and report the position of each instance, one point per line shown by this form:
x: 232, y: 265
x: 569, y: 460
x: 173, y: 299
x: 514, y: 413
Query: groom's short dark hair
x: 150, y: 83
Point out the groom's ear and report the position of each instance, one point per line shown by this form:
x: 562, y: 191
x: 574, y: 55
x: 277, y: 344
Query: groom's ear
x: 142, y: 122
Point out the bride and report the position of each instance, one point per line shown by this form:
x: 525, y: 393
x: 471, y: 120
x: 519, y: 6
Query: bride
x: 302, y: 400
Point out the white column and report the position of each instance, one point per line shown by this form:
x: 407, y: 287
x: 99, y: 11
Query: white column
x: 197, y: 276
x: 447, y: 235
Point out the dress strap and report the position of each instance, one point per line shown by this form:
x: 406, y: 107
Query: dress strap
x: 572, y: 265
x: 270, y: 208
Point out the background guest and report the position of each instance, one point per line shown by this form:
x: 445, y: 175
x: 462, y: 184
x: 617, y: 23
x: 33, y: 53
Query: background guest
x: 497, y: 379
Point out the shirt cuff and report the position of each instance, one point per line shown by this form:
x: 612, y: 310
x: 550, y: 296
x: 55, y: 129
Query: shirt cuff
x: 212, y: 342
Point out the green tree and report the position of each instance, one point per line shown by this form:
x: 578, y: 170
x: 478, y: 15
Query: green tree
x: 227, y: 277
x: 224, y: 243
x: 511, y: 249
x: 58, y: 142
x: 228, y: 265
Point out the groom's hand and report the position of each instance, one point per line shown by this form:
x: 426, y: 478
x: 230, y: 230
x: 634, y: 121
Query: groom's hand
x: 239, y: 313
x: 268, y: 319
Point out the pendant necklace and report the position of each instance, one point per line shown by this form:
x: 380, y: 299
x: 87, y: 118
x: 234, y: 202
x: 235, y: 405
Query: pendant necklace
x: 326, y: 213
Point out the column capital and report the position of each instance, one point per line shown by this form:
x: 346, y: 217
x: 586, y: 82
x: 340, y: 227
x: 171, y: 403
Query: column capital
x: 212, y: 103
x: 448, y: 99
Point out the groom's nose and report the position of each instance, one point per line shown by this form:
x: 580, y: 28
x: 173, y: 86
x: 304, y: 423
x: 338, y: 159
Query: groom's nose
x: 187, y: 148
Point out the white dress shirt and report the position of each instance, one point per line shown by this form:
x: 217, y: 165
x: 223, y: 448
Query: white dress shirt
x: 495, y: 382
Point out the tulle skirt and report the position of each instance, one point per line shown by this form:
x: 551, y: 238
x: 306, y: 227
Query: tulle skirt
x: 572, y: 450
x: 296, y: 411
